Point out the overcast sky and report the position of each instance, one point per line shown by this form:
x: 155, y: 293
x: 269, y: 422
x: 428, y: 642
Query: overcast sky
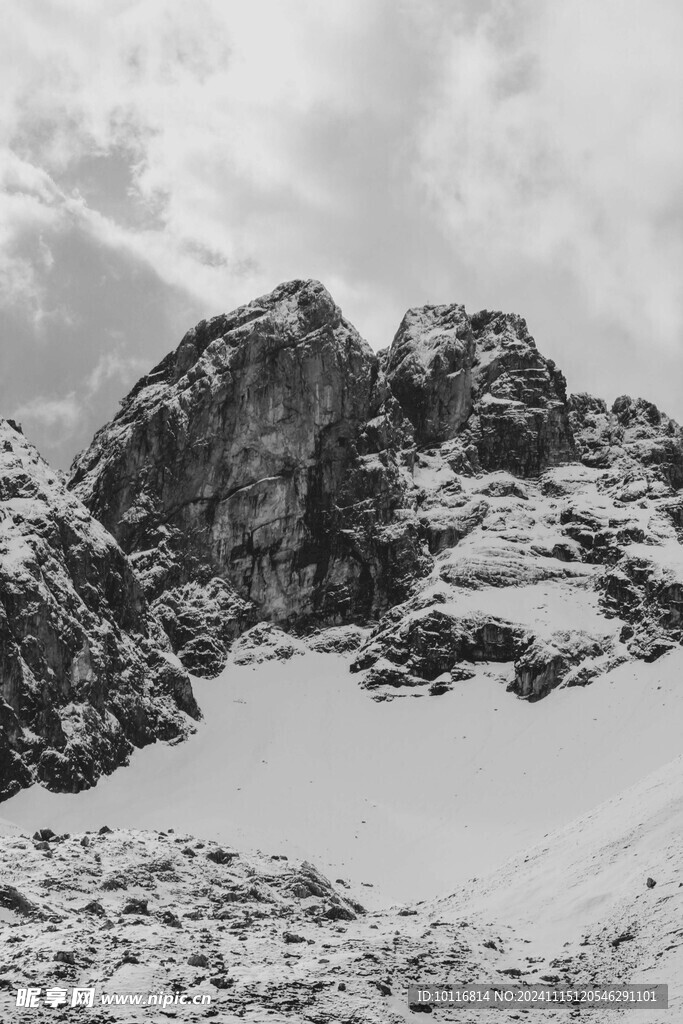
x: 166, y: 160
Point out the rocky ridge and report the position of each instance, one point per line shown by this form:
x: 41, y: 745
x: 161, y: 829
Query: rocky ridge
x: 274, y: 468
x: 86, y: 673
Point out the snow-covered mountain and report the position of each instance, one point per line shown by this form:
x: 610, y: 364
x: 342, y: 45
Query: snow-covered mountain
x: 274, y: 468
x: 434, y: 610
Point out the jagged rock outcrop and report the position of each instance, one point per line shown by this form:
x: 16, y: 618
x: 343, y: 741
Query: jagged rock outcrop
x: 522, y: 421
x: 436, y: 641
x: 86, y: 673
x: 644, y: 587
x: 482, y: 373
x: 268, y: 461
x: 441, y: 647
x: 269, y: 452
x: 642, y: 445
x: 201, y: 619
x: 569, y: 657
x: 429, y: 367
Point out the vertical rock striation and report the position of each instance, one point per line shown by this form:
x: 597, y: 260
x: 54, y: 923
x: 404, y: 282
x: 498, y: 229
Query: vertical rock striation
x: 266, y: 452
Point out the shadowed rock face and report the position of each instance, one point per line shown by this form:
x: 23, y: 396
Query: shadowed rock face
x: 429, y: 367
x: 85, y: 673
x: 267, y: 451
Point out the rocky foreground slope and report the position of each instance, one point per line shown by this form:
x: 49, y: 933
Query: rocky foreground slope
x: 274, y: 468
x: 86, y: 673
x: 267, y: 939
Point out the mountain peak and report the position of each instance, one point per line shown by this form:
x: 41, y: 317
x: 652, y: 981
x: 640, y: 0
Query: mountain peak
x: 268, y: 468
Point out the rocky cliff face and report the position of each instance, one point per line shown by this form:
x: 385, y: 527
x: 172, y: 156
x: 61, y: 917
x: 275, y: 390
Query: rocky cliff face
x: 267, y: 453
x: 85, y: 673
x: 273, y: 468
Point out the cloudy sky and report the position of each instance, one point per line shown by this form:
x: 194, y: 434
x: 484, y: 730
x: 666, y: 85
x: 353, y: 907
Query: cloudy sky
x: 166, y: 160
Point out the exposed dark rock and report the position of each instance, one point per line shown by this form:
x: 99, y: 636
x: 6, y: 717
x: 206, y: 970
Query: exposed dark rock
x: 444, y: 526
x: 481, y: 377
x: 221, y: 856
x: 201, y: 619
x: 65, y: 956
x: 337, y: 912
x: 423, y: 647
x: 384, y: 674
x: 648, y: 593
x: 634, y: 437
x: 95, y: 907
x: 521, y: 420
x: 12, y: 899
x: 85, y: 670
x: 503, y: 486
x: 547, y: 663
x: 198, y: 960
x: 44, y: 834
x: 136, y: 906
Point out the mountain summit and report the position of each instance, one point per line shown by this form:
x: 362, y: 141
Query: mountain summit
x: 273, y: 468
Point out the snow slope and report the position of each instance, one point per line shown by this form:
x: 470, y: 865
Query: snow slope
x: 590, y: 883
x: 414, y: 795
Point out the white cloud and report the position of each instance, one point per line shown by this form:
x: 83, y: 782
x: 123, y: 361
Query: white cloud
x: 64, y: 415
x: 555, y: 139
x: 60, y: 414
x: 113, y: 366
